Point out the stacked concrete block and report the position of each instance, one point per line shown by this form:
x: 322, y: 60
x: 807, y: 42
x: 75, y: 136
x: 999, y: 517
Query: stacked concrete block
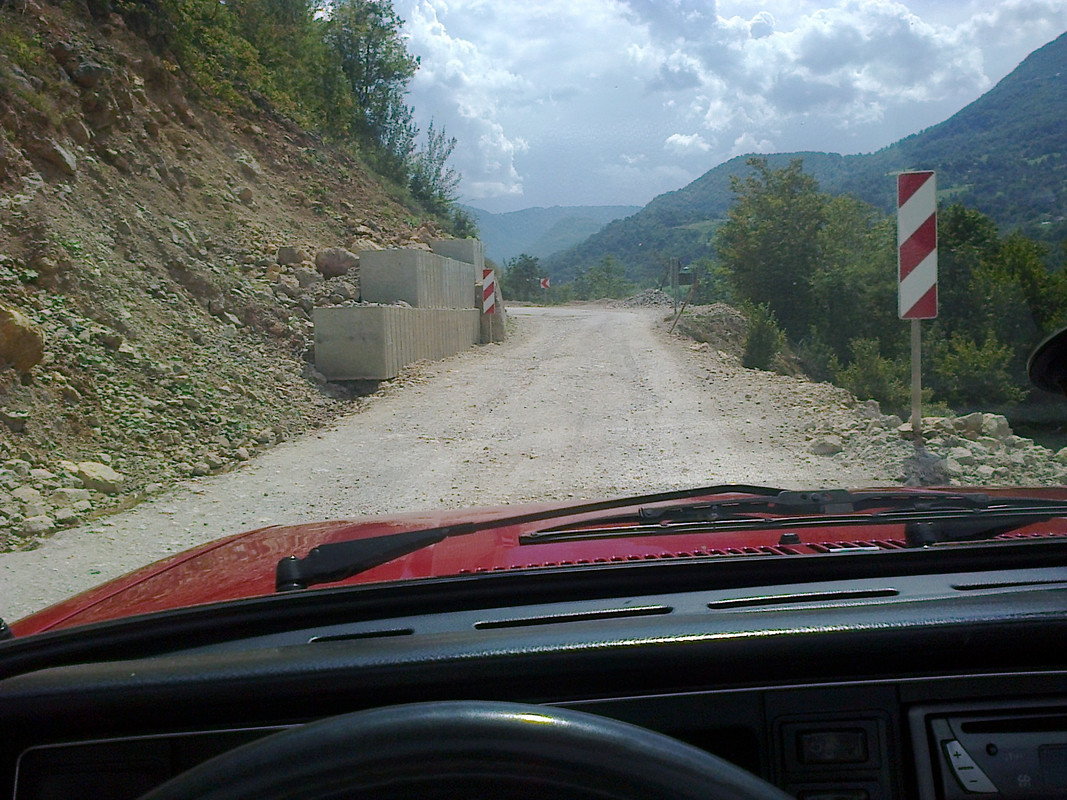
x: 375, y: 342
x: 415, y: 277
x: 470, y: 251
x: 429, y: 308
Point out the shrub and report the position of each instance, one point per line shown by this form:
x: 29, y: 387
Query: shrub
x: 971, y: 376
x: 871, y: 376
x: 764, y: 340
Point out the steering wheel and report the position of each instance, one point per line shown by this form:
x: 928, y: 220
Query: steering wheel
x: 469, y: 750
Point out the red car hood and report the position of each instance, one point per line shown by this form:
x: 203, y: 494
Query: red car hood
x: 244, y: 565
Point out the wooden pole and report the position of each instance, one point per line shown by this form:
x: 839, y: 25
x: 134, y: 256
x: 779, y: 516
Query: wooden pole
x: 688, y: 297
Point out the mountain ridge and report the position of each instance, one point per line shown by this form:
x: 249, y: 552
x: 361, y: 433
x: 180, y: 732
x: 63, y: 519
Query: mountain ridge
x: 1004, y: 154
x: 541, y: 231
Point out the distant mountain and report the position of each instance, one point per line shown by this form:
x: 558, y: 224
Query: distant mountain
x: 541, y: 231
x: 1005, y: 154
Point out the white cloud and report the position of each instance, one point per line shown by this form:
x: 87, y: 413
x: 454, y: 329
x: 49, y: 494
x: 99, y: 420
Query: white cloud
x: 589, y: 97
x: 747, y: 143
x: 686, y: 143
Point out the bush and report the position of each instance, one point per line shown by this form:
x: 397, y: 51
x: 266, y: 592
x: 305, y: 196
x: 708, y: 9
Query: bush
x: 972, y: 376
x: 870, y: 376
x: 764, y: 339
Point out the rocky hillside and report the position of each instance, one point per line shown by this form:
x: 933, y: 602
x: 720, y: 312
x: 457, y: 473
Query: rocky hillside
x: 159, y: 259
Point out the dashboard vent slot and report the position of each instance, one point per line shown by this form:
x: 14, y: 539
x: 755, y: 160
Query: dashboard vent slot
x: 977, y: 587
x: 349, y: 637
x: 802, y: 597
x: 578, y: 616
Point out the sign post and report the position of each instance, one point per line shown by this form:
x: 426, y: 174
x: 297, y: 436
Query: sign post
x: 489, y: 297
x: 916, y: 270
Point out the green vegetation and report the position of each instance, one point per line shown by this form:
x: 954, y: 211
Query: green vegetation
x: 824, y: 268
x: 521, y: 280
x: 764, y: 339
x: 341, y: 69
x: 604, y: 279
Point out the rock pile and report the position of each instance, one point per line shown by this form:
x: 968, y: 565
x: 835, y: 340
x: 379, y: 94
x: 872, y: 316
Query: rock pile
x: 977, y: 449
x: 35, y: 500
x: 650, y: 298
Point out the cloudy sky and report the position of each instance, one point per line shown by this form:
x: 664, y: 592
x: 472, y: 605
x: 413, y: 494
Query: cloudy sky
x: 596, y: 102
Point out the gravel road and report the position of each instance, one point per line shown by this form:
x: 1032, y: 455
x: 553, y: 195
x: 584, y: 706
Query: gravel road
x: 580, y: 402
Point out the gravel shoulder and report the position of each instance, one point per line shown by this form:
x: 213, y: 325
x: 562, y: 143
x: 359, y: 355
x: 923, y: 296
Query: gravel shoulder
x: 579, y: 402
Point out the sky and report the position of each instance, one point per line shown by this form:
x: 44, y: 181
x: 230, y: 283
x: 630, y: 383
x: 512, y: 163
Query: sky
x: 609, y: 102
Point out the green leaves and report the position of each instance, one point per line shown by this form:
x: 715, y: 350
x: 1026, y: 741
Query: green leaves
x: 606, y: 278
x: 825, y: 267
x: 769, y: 241
x: 522, y: 279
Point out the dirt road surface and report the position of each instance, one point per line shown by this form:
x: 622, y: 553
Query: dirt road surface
x: 578, y: 403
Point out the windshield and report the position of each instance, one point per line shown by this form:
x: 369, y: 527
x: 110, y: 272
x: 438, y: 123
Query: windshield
x: 279, y: 262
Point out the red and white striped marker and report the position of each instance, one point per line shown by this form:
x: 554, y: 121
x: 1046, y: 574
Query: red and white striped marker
x: 488, y: 291
x: 917, y: 245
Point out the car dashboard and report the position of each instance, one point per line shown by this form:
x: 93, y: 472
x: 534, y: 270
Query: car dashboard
x: 920, y: 684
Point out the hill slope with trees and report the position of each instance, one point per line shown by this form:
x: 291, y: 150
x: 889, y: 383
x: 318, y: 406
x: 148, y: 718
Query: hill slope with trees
x: 171, y: 173
x: 1004, y: 155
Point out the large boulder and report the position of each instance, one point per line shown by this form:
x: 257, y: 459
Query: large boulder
x: 21, y: 343
x: 333, y: 262
x: 291, y: 255
x: 100, y: 477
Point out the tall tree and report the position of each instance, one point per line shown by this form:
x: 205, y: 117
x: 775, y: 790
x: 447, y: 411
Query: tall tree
x: 522, y: 278
x: 366, y: 36
x: 769, y: 242
x: 433, y: 182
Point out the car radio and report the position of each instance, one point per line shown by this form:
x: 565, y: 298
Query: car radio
x: 1010, y: 751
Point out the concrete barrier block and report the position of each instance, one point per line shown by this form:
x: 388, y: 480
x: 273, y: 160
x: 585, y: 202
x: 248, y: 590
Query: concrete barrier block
x: 471, y: 251
x: 375, y: 342
x: 415, y: 277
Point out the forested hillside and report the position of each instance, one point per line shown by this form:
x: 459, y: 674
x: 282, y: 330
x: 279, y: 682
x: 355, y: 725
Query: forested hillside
x: 1004, y: 155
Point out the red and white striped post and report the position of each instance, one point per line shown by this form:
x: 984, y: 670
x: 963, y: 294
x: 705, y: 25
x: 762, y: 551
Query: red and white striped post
x: 489, y: 296
x: 916, y: 269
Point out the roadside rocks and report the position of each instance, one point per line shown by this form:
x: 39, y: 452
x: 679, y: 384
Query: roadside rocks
x: 649, y: 298
x: 301, y: 282
x: 333, y: 262
x: 37, y: 500
x: 975, y: 449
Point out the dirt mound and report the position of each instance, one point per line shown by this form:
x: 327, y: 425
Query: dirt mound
x: 721, y: 326
x: 141, y: 238
x: 650, y: 298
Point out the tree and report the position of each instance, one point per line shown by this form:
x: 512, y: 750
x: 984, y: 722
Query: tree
x: 432, y: 182
x: 366, y: 37
x: 606, y: 278
x: 522, y: 278
x: 853, y: 285
x: 769, y: 242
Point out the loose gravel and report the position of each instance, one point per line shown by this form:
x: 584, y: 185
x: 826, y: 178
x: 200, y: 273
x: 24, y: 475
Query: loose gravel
x: 579, y: 403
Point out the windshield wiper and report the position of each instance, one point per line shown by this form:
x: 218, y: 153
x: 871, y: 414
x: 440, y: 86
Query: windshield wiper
x: 928, y: 517
x: 336, y: 561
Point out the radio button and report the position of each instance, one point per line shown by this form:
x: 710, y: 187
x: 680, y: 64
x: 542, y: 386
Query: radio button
x: 971, y: 778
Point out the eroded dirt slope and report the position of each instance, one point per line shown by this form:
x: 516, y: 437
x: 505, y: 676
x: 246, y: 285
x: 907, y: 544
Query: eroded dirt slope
x: 139, y: 241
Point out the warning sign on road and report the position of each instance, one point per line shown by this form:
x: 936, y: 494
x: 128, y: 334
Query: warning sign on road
x: 488, y: 291
x: 545, y: 283
x: 917, y: 245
